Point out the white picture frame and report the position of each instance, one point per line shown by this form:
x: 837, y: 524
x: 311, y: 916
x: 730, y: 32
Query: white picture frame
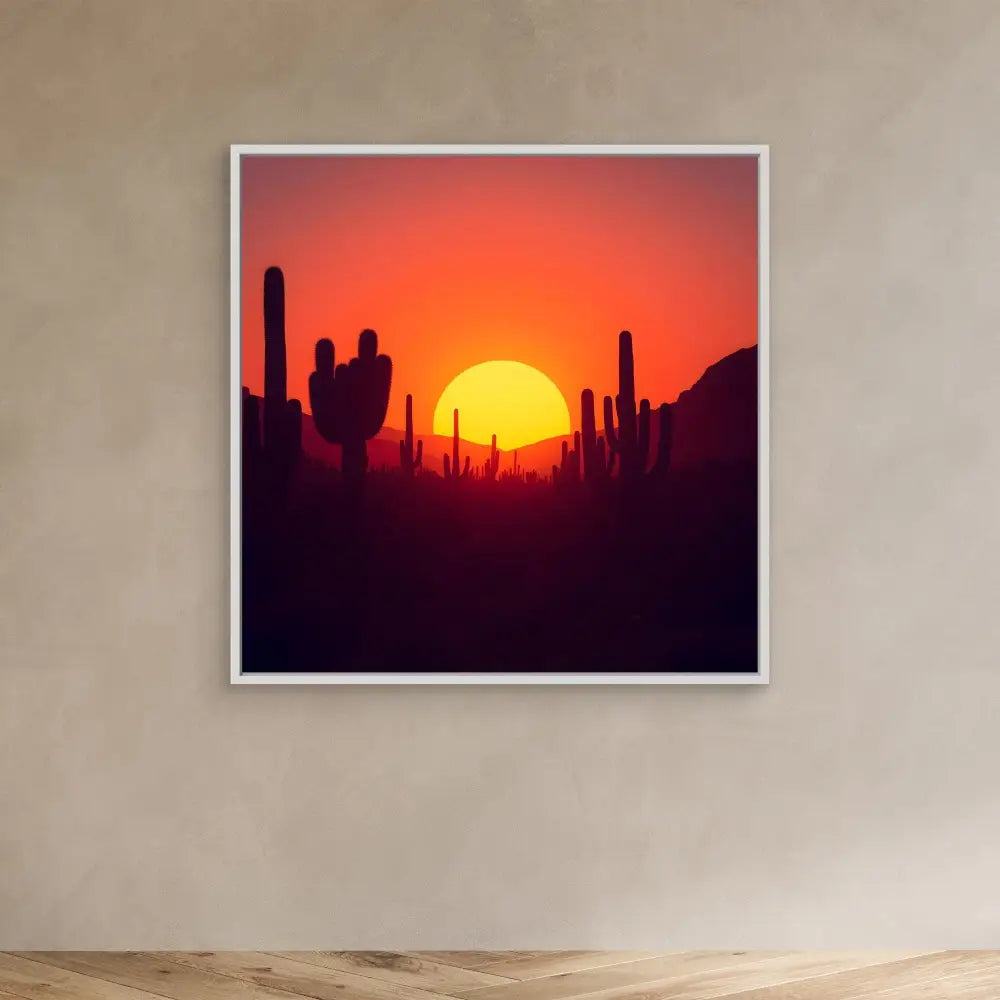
x: 762, y: 676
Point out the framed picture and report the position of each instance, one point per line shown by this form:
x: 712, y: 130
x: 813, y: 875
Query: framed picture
x: 499, y: 414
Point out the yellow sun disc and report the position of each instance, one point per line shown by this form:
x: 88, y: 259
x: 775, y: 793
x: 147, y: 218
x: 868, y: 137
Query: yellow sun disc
x: 516, y: 402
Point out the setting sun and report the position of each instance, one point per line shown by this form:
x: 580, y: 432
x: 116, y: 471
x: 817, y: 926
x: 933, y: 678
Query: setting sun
x: 516, y: 402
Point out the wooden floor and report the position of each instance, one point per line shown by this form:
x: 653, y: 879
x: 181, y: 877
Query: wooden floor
x: 501, y: 975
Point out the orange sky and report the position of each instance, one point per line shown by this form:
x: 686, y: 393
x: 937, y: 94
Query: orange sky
x: 455, y: 260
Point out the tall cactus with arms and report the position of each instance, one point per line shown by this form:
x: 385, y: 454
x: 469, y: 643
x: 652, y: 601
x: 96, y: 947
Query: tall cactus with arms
x: 630, y: 441
x: 349, y: 401
x: 451, y: 467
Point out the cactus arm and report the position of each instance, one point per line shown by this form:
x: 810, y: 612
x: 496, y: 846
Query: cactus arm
x: 465, y: 470
x: 324, y: 356
x: 367, y: 346
x: 418, y: 461
x: 447, y: 468
x: 323, y: 392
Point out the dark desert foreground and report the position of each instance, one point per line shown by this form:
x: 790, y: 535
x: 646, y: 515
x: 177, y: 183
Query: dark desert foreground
x: 431, y: 575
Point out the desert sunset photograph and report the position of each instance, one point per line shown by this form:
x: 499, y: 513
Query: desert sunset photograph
x: 499, y: 414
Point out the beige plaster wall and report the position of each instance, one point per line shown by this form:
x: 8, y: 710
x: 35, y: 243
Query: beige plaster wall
x: 145, y: 803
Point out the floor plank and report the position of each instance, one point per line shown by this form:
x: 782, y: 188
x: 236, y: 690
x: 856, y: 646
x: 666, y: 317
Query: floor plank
x: 939, y: 975
x: 558, y: 963
x: 300, y: 978
x: 33, y: 980
x: 970, y: 986
x: 472, y: 959
x: 772, y: 971
x: 395, y: 967
x: 147, y: 971
x: 633, y: 973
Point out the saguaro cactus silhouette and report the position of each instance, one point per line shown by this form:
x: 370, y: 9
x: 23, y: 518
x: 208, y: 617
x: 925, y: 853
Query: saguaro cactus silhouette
x: 451, y: 468
x: 280, y: 446
x: 349, y: 401
x: 630, y: 442
x: 597, y: 464
x: 492, y: 464
x: 409, y: 460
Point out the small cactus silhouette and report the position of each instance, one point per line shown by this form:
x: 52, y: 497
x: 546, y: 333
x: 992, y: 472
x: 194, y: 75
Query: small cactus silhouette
x: 451, y: 467
x: 409, y: 460
x: 349, y: 401
x: 514, y: 472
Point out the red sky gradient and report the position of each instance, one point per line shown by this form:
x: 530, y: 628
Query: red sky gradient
x: 455, y: 260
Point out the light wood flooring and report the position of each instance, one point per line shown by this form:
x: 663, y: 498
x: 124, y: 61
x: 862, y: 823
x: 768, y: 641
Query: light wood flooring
x: 500, y: 975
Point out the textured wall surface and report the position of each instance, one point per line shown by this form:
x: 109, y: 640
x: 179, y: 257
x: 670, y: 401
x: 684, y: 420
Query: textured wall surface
x: 144, y: 802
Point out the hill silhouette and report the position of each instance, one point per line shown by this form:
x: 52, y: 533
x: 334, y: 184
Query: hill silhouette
x: 716, y: 419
